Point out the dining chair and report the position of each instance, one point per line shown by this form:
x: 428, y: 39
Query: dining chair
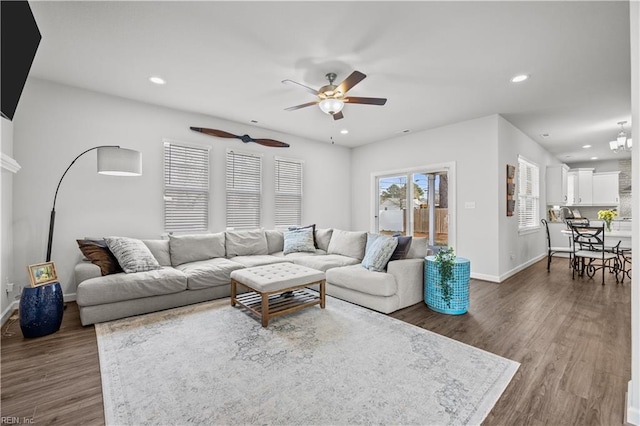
x: 553, y: 250
x: 590, y: 253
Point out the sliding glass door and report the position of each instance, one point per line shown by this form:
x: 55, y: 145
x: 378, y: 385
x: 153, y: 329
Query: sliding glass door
x: 420, y: 208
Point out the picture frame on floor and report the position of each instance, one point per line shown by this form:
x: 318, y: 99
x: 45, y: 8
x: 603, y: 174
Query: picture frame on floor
x: 42, y: 274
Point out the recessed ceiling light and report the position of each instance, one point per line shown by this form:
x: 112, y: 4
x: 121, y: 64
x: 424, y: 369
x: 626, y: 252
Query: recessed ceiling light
x: 519, y: 78
x: 406, y: 131
x: 157, y: 80
x: 344, y: 131
x: 254, y: 121
x: 594, y: 158
x: 586, y: 146
x: 544, y: 135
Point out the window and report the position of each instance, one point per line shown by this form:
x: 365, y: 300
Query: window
x: 528, y: 195
x: 186, y: 187
x: 244, y: 185
x: 288, y: 179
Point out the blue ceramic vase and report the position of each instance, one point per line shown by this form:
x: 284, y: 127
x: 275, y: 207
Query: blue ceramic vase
x: 41, y: 310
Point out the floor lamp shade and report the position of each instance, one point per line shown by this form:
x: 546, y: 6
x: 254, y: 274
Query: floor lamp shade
x: 119, y: 161
x: 112, y: 160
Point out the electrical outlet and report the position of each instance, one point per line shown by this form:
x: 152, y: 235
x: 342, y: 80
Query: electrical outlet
x: 10, y: 287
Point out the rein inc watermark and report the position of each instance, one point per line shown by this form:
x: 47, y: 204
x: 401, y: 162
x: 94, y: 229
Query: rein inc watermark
x: 10, y: 420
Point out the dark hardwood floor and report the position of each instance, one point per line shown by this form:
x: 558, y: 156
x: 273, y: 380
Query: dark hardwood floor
x: 572, y: 339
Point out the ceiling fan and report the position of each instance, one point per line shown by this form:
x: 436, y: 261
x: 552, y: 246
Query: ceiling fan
x: 331, y: 98
x: 244, y: 138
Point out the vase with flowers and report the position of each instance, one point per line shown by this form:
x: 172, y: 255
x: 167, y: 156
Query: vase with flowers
x: 607, y: 216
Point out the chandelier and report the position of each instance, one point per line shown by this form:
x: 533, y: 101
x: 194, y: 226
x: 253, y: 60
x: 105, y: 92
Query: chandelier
x: 622, y: 143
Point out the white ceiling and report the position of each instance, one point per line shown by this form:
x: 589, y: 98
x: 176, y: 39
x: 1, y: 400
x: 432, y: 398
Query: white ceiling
x: 436, y: 62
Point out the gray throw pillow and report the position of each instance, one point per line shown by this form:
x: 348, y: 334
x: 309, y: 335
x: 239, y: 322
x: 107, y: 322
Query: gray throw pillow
x: 133, y: 255
x: 323, y: 237
x: 404, y: 244
x: 275, y: 240
x: 379, y: 252
x: 299, y: 240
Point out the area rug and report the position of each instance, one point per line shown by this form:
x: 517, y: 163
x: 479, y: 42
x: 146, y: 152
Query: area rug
x: 215, y: 364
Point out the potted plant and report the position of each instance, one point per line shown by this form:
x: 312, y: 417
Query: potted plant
x: 445, y: 261
x: 607, y: 216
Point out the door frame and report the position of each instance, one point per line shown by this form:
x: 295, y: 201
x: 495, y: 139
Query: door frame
x: 449, y: 167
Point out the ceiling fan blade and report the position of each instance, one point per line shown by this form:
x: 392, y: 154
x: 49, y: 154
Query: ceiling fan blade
x: 368, y: 101
x: 307, y: 88
x: 293, y: 108
x: 272, y: 143
x: 355, y: 78
x: 213, y: 132
x: 338, y: 116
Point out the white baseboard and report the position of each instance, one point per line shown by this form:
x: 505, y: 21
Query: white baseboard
x: 16, y: 303
x: 7, y: 312
x: 521, y: 267
x: 499, y: 279
x: 631, y: 413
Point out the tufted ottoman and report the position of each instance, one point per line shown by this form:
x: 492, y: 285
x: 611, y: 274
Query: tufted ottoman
x: 277, y: 289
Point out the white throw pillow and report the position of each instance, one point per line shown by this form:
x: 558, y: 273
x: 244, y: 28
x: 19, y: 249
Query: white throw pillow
x: 299, y: 240
x: 379, y: 252
x: 132, y: 255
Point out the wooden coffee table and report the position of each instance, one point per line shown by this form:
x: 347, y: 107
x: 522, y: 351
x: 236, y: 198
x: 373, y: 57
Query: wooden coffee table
x: 277, y: 289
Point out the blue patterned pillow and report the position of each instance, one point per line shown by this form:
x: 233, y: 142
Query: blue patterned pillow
x: 133, y: 255
x: 379, y: 252
x: 299, y: 240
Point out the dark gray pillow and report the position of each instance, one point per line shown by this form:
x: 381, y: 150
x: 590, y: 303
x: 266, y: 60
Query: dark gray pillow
x: 401, y: 252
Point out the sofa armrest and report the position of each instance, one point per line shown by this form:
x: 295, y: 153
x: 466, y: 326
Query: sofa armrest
x: 409, y: 276
x: 86, y: 270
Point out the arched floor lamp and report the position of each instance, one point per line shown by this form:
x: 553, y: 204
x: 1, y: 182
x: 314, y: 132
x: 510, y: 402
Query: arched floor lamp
x: 112, y: 160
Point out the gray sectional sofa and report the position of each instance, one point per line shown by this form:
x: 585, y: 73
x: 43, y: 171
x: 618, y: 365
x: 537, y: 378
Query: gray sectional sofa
x: 197, y: 268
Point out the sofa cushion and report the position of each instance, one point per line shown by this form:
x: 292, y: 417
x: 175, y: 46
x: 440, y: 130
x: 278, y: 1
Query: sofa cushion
x: 192, y: 248
x: 258, y: 260
x: 133, y: 255
x: 357, y: 278
x: 160, y: 250
x: 100, y: 255
x: 401, y: 252
x: 324, y: 263
x: 208, y: 273
x: 348, y: 243
x: 299, y: 240
x: 317, y: 252
x: 275, y: 240
x: 118, y: 287
x: 323, y: 237
x: 379, y: 252
x: 245, y: 243
x: 418, y: 249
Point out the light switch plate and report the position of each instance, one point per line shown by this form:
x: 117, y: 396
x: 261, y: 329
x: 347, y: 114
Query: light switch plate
x: 469, y: 204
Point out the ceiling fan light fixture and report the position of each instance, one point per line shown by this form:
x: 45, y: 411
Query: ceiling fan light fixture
x: 331, y: 106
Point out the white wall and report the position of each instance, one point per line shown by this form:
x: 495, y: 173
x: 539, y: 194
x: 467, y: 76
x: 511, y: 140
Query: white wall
x: 633, y: 401
x: 518, y: 251
x: 473, y: 146
x: 6, y: 230
x: 55, y: 123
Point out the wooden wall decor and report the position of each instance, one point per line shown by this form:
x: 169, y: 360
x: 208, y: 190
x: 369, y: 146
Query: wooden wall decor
x: 511, y: 189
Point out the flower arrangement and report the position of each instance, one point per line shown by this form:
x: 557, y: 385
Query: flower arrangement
x: 607, y: 216
x: 445, y: 261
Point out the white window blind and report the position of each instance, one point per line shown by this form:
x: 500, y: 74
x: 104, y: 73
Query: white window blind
x: 288, y: 180
x: 186, y: 187
x: 528, y: 195
x: 244, y: 186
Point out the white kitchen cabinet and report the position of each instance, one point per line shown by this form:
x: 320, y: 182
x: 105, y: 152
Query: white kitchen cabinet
x: 605, y: 189
x: 556, y: 180
x: 580, y: 187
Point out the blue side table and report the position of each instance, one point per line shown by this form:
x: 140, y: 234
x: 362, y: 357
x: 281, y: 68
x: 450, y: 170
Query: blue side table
x: 459, y: 303
x: 41, y: 310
